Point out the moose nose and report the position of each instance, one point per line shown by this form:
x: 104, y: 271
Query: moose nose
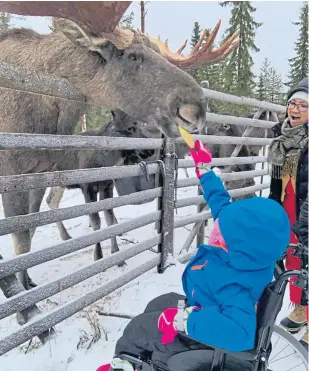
x: 191, y: 116
x: 189, y: 112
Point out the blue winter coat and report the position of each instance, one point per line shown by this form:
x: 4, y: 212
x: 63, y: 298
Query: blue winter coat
x: 227, y: 285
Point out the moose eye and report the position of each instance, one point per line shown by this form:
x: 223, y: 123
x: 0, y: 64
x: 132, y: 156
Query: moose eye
x: 119, y: 52
x: 132, y: 56
x: 97, y: 55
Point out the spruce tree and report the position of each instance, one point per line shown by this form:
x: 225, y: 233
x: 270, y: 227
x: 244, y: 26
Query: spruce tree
x: 275, y: 86
x: 196, y: 34
x: 260, y: 94
x: 239, y: 78
x: 263, y: 85
x: 270, y: 86
x: 299, y: 64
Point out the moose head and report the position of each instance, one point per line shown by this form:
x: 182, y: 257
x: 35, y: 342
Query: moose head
x: 125, y: 69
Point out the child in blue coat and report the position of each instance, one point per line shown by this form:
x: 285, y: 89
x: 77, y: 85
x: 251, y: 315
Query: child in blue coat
x: 222, y: 283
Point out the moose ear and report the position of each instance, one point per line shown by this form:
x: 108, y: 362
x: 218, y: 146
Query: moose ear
x: 75, y: 33
x: 81, y: 36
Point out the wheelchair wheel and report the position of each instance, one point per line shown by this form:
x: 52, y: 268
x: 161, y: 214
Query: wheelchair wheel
x: 287, y: 353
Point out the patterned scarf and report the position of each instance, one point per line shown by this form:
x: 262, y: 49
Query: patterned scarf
x: 284, y: 151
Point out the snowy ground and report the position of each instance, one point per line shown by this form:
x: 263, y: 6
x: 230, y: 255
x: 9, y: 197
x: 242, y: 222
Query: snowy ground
x: 73, y: 348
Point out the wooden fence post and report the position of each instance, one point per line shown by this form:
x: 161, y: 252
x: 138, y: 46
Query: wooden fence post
x: 166, y: 227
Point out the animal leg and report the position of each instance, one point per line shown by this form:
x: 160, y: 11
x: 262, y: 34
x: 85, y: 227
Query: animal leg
x: 36, y: 198
x: 110, y: 218
x: 17, y: 203
x: 53, y: 202
x: 107, y: 192
x: 90, y: 195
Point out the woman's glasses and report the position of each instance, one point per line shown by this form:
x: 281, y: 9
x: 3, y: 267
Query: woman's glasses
x: 302, y: 107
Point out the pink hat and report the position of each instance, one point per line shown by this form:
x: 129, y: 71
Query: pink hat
x: 215, y: 236
x: 104, y: 367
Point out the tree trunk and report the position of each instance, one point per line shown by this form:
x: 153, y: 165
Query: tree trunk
x: 142, y: 3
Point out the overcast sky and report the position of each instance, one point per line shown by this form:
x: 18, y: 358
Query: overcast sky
x: 175, y: 19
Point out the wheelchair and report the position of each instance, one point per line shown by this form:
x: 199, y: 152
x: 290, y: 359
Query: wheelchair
x: 261, y: 358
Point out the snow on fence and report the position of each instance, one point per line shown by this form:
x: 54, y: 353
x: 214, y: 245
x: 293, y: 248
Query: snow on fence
x: 23, y: 303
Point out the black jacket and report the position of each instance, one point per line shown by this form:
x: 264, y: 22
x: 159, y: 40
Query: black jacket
x: 301, y: 177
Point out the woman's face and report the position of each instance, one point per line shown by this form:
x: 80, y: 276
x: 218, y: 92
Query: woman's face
x: 298, y: 111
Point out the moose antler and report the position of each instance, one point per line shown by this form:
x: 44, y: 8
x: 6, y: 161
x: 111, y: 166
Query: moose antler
x: 97, y: 16
x: 102, y: 18
x: 201, y: 55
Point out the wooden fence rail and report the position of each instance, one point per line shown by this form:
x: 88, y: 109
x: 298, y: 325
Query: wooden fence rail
x: 26, y: 299
x: 266, y: 106
x: 59, y: 314
x: 32, y: 259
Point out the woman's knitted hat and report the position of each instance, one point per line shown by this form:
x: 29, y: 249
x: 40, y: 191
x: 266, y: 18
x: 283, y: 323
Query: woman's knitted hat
x: 299, y: 95
x: 301, y: 87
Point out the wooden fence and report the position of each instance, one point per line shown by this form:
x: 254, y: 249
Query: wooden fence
x: 24, y: 302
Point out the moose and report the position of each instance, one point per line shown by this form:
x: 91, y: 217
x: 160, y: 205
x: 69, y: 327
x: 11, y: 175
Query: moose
x: 112, y: 67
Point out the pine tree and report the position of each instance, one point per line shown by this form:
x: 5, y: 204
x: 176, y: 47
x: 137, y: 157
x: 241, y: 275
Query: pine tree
x: 299, y: 64
x: 239, y: 78
x: 260, y: 95
x: 196, y: 34
x: 5, y: 21
x: 269, y: 87
x: 275, y: 87
x: 264, y: 81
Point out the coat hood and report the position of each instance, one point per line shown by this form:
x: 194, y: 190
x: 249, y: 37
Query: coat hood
x: 256, y: 232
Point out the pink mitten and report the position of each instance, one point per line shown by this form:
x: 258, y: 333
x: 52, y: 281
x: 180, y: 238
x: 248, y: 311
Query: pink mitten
x: 201, y: 155
x: 166, y: 325
x: 104, y: 367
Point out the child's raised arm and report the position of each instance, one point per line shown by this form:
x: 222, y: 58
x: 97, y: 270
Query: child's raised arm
x: 214, y: 192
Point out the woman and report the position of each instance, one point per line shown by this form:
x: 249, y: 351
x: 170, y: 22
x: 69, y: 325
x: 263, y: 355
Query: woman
x: 288, y: 156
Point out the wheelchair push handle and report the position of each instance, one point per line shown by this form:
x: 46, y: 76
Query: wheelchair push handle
x: 282, y: 280
x: 301, y: 251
